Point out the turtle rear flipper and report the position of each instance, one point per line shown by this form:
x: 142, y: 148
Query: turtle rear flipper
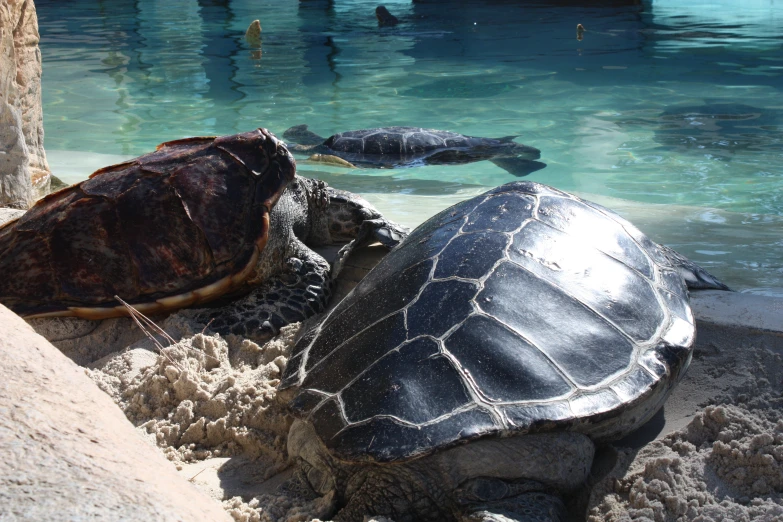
x: 298, y: 293
x: 696, y: 278
x: 518, y: 166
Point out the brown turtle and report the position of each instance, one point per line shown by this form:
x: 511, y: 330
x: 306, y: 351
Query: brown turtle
x: 197, y: 219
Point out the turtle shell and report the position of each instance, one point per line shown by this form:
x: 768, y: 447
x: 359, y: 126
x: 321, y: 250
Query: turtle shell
x: 400, y: 141
x: 175, y: 227
x: 525, y: 309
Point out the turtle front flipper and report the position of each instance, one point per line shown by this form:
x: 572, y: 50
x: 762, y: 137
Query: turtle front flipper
x: 387, y: 233
x: 301, y: 291
x: 331, y: 159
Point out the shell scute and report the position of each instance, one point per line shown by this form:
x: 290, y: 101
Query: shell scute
x: 638, y: 379
x: 221, y: 206
x: 386, y: 440
x: 329, y: 417
x: 46, y: 212
x: 471, y: 256
x: 414, y: 384
x: 177, y: 254
x: 246, y: 148
x: 369, y: 308
x: 385, y: 143
x: 117, y: 167
x: 602, y: 283
x: 516, y: 371
x: 112, y: 183
x: 580, y: 220
x: 538, y: 417
x: 365, y: 348
x: 344, y: 144
x: 97, y: 263
x: 439, y: 306
x: 500, y: 213
x: 554, y: 323
x: 190, y: 143
x: 171, y: 154
x: 31, y: 254
x: 595, y: 403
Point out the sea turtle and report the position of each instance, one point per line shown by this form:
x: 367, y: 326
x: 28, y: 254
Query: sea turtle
x: 198, y: 219
x: 525, y: 321
x: 394, y: 147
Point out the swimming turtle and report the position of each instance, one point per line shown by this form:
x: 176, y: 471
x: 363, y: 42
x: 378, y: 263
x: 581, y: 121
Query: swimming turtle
x: 525, y: 322
x: 393, y: 147
x: 195, y: 220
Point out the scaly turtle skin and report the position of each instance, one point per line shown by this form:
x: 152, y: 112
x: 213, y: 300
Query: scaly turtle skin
x: 394, y: 147
x: 179, y: 227
x: 525, y: 321
x: 296, y: 282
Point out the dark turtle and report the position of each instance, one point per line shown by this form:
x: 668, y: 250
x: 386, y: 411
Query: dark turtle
x: 523, y: 311
x: 394, y: 147
x: 182, y: 226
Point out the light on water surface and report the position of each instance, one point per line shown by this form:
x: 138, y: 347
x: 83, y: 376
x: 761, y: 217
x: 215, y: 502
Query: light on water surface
x: 668, y: 112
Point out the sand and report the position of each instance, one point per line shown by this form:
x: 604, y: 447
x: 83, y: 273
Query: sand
x: 210, y: 405
x: 69, y: 453
x: 725, y: 464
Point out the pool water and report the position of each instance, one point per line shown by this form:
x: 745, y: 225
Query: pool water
x: 668, y: 113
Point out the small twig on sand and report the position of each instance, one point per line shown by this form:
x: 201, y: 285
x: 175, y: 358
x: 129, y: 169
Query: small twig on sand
x: 138, y: 317
x: 135, y: 315
x: 207, y: 326
x: 196, y: 475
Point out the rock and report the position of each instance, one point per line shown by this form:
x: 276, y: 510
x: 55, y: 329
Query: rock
x: 24, y: 172
x: 9, y: 214
x: 69, y: 453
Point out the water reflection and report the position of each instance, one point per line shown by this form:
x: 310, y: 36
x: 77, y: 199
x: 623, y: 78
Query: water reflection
x: 373, y: 183
x: 221, y: 49
x: 316, y: 21
x: 649, y: 106
x: 739, y: 25
x: 719, y: 129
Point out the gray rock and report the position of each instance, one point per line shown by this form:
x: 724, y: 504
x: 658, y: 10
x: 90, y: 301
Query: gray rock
x: 8, y: 214
x: 69, y: 453
x: 24, y: 172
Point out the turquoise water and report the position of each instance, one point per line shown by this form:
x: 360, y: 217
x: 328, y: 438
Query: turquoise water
x: 669, y: 114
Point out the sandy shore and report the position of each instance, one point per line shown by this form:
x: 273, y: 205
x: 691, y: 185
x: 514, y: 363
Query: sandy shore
x: 209, y: 404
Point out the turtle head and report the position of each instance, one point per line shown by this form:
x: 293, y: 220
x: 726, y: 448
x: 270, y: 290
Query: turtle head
x: 259, y: 150
x: 301, y: 135
x: 337, y: 216
x: 345, y: 214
